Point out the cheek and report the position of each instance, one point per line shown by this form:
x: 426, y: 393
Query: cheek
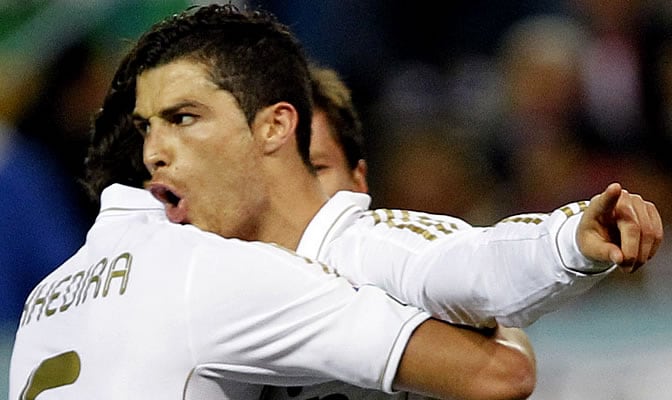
x: 207, y: 161
x: 331, y: 182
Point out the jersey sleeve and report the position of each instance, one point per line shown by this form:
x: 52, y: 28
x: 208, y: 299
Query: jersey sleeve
x: 260, y: 314
x: 510, y: 273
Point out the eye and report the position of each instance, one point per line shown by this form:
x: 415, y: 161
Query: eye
x: 141, y: 126
x: 183, y: 119
x: 320, y: 167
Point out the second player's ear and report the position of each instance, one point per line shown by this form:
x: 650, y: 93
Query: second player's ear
x: 359, y: 177
x: 275, y: 125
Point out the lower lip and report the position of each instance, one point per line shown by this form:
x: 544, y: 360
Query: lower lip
x: 177, y: 214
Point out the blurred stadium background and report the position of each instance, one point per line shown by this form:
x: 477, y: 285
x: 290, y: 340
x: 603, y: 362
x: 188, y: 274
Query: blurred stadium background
x: 472, y: 108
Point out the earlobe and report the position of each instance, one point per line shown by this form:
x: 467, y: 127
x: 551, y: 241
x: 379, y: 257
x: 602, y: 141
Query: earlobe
x: 278, y: 125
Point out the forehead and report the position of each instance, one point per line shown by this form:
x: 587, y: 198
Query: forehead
x: 322, y: 130
x: 322, y: 140
x: 171, y: 83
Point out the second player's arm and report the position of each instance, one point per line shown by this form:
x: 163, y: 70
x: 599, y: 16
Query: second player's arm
x: 442, y: 360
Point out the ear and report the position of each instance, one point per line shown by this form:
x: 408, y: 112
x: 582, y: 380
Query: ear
x: 275, y: 125
x: 359, y: 177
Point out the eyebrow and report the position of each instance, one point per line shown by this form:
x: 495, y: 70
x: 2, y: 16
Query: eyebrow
x: 167, y: 112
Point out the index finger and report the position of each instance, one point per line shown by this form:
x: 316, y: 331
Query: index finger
x: 605, y: 202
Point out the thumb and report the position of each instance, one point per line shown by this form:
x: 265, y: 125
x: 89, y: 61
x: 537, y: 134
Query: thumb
x: 614, y: 253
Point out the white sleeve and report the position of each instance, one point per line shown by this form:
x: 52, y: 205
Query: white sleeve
x: 511, y: 273
x: 266, y: 316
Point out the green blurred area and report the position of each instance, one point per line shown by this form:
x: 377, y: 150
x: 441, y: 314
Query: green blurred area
x: 13, y: 14
x: 118, y: 18
x: 33, y: 34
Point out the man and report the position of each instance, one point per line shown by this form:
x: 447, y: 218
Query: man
x: 221, y: 146
x: 222, y: 123
x: 223, y: 114
x: 150, y: 307
x: 147, y: 306
x: 337, y: 143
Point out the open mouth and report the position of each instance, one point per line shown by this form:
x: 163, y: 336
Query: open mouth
x: 174, y: 204
x: 171, y: 198
x: 165, y: 195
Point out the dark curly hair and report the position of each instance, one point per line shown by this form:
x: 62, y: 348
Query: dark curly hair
x: 248, y: 53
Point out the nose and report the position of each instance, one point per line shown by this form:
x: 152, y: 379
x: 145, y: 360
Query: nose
x: 155, y: 152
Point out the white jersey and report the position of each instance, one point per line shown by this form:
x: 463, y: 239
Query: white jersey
x: 512, y: 273
x: 150, y: 309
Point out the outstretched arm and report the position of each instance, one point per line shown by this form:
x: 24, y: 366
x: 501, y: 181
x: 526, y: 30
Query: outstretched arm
x: 620, y: 228
x: 445, y: 361
x: 511, y: 273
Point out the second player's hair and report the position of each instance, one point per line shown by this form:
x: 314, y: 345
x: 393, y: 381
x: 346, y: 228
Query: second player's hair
x: 332, y: 95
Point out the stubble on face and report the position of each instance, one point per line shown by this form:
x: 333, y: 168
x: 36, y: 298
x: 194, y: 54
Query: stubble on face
x: 200, y: 145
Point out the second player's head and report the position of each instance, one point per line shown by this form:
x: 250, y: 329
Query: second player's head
x: 337, y: 147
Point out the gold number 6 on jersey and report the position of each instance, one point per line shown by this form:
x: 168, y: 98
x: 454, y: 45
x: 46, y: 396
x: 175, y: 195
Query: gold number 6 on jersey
x: 53, y: 372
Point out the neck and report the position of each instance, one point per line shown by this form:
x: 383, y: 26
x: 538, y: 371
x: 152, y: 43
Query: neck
x: 296, y: 196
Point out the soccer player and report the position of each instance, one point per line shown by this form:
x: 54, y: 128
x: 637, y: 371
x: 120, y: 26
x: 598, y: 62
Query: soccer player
x: 151, y: 308
x: 221, y: 145
x: 210, y: 149
x: 337, y: 149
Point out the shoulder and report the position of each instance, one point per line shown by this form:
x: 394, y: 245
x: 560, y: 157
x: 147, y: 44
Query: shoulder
x: 212, y: 255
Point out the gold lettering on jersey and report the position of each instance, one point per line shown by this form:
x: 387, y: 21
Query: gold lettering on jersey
x: 58, y: 296
x: 34, y: 300
x: 71, y: 290
x: 54, y: 294
x: 120, y: 268
x: 94, y: 279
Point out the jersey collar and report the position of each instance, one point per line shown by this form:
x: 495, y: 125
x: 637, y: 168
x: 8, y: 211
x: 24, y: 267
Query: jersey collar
x: 117, y: 197
x: 337, y: 214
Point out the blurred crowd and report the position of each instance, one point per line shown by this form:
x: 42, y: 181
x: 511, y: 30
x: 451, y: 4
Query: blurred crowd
x: 524, y: 105
x: 474, y: 109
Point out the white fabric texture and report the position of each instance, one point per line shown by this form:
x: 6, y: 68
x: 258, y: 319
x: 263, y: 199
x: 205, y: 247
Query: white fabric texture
x: 151, y: 309
x: 511, y: 273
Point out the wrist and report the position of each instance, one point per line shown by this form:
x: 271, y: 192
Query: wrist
x: 570, y: 254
